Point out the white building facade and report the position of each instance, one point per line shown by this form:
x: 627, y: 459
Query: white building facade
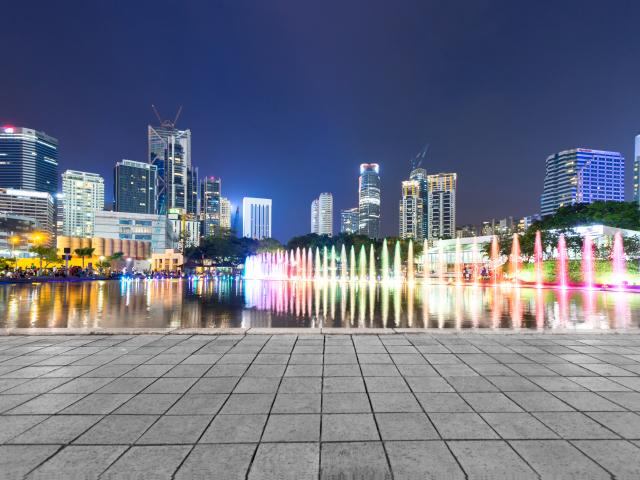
x: 322, y: 214
x: 256, y: 217
x: 135, y: 226
x: 83, y: 197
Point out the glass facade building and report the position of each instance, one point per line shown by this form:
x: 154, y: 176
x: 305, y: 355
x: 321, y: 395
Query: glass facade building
x: 37, y: 206
x: 420, y: 175
x: 210, y: 190
x: 28, y: 160
x: 441, y: 205
x: 349, y: 220
x: 369, y: 200
x: 170, y: 152
x: 135, y: 187
x: 582, y: 175
x: 135, y: 226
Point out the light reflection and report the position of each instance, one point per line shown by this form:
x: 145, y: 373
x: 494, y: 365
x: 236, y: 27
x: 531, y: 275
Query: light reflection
x: 228, y: 302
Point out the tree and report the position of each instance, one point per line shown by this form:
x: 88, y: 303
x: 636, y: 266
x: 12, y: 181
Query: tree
x: 268, y: 245
x: 83, y: 253
x: 47, y: 255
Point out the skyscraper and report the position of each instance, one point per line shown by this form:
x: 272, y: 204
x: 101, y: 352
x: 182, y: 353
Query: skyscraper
x: 28, y: 160
x: 441, y: 205
x: 192, y: 193
x: 225, y: 214
x: 256, y: 218
x: 83, y: 197
x: 369, y: 200
x: 322, y: 214
x: 170, y: 152
x: 135, y: 187
x: 37, y: 206
x: 420, y: 176
x: 636, y: 171
x: 582, y: 175
x: 411, y: 211
x: 349, y: 220
x: 210, y: 189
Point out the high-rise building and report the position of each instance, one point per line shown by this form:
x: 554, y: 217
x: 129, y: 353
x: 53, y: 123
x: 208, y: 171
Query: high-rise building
x: 225, y: 214
x: 210, y: 189
x: 256, y: 218
x: 135, y: 226
x: 83, y: 197
x: 17, y: 235
x: 135, y: 187
x: 38, y: 206
x: 193, y: 193
x: 185, y: 229
x: 636, y: 171
x: 369, y: 200
x: 28, y: 160
x: 170, y: 152
x: 322, y: 215
x: 349, y: 220
x: 411, y: 210
x: 582, y: 175
x: 420, y: 175
x: 441, y: 205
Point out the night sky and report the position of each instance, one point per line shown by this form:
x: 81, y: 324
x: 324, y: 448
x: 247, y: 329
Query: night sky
x: 286, y: 98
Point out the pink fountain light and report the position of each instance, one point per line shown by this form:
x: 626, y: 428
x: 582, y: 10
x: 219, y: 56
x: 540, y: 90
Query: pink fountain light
x: 515, y: 258
x: 618, y: 261
x: 588, y: 263
x: 537, y: 259
x: 495, y: 255
x: 563, y: 263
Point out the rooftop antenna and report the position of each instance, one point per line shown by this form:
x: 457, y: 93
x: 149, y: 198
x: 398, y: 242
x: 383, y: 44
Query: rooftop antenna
x: 167, y: 123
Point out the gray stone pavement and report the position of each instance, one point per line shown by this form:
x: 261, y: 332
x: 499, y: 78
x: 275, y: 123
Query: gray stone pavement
x: 402, y: 406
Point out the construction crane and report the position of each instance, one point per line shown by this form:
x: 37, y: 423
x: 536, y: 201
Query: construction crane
x: 416, y: 162
x: 167, y: 123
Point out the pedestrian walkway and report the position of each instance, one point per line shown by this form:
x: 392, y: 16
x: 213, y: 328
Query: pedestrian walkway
x: 401, y: 406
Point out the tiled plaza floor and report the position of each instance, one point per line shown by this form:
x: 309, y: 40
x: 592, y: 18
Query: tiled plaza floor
x: 402, y: 406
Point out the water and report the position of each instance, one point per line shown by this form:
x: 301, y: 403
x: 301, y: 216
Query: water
x: 257, y: 303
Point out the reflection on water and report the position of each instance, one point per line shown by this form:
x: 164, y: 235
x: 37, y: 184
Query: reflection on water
x: 255, y: 303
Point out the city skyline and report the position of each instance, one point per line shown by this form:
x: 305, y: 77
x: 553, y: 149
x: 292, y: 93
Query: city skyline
x: 400, y: 88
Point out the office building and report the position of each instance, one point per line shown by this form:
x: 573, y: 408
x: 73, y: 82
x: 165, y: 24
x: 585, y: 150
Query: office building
x: 322, y: 215
x: 411, y: 211
x: 210, y: 215
x: 349, y: 220
x: 185, y: 229
x: 225, y: 214
x: 441, y: 205
x: 256, y: 218
x: 16, y: 235
x: 170, y: 152
x: 28, y: 160
x: 29, y: 204
x: 369, y: 200
x: 193, y: 193
x: 636, y: 171
x: 83, y: 197
x: 420, y: 175
x: 134, y: 187
x: 582, y: 175
x: 135, y: 226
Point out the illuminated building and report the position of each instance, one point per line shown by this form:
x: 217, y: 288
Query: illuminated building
x: 636, y: 171
x: 349, y: 220
x: 135, y: 226
x: 135, y: 187
x: 185, y: 229
x: 225, y: 213
x: 441, y: 205
x: 83, y: 197
x: 411, y: 210
x: 170, y: 152
x: 369, y: 200
x: 582, y: 175
x: 28, y: 160
x: 256, y: 218
x: 420, y: 175
x: 16, y: 234
x: 322, y: 215
x: 37, y: 206
x: 210, y: 189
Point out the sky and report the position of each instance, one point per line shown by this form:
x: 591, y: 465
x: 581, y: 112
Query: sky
x: 285, y: 99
